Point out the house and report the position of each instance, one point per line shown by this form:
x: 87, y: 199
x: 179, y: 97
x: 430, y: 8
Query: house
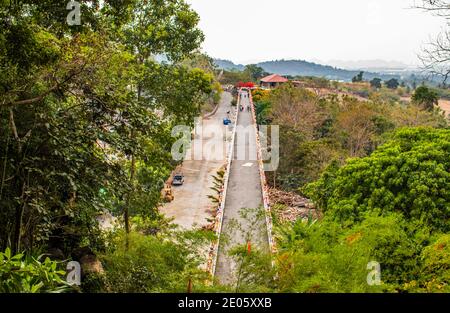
x: 272, y: 81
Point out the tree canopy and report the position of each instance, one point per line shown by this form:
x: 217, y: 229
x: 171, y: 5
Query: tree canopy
x: 85, y: 106
x: 425, y: 97
x: 410, y: 174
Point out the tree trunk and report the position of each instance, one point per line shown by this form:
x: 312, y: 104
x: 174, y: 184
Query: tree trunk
x: 18, y: 224
x: 126, y: 213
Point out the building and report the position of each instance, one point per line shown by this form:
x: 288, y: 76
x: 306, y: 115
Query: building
x: 272, y: 81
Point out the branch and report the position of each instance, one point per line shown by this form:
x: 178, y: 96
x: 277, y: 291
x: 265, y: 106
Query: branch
x: 36, y: 99
x: 56, y: 86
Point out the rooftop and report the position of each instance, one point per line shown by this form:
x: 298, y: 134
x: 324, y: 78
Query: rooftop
x: 274, y: 78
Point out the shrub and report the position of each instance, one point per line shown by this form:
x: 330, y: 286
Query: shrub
x: 425, y: 97
x: 325, y: 256
x: 143, y: 263
x: 435, y: 275
x: 31, y: 275
x: 409, y: 174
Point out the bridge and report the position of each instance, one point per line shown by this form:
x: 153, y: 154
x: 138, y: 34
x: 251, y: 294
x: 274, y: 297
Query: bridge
x: 244, y: 212
x: 242, y: 215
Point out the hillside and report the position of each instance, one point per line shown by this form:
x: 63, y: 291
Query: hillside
x: 303, y: 68
x: 228, y: 65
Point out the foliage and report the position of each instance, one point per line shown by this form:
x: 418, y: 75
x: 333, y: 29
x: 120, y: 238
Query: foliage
x: 260, y: 95
x: 255, y: 72
x: 375, y: 83
x: 318, y: 128
x: 19, y: 273
x: 140, y: 263
x: 436, y: 260
x: 358, y: 78
x: 425, y: 98
x: 325, y: 256
x: 254, y: 272
x: 245, y: 85
x: 86, y: 114
x: 392, y: 83
x: 234, y: 77
x: 408, y: 174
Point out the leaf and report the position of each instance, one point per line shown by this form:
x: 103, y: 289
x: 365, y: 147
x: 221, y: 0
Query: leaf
x: 8, y: 253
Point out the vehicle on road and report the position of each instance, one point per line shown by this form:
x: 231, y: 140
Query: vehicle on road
x: 178, y: 179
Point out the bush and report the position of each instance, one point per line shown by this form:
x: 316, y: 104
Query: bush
x: 325, y: 256
x: 425, y: 98
x: 152, y: 264
x: 21, y: 274
x: 435, y: 275
x: 409, y: 174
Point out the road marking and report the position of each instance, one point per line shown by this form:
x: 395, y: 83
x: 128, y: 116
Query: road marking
x: 247, y: 165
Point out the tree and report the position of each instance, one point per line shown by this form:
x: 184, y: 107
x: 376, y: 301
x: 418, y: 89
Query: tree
x: 358, y: 78
x: 425, y: 98
x: 297, y: 109
x: 409, y: 174
x: 375, y: 83
x: 436, y: 55
x: 85, y: 106
x: 327, y: 256
x: 392, y: 83
x: 255, y: 72
x: 356, y: 124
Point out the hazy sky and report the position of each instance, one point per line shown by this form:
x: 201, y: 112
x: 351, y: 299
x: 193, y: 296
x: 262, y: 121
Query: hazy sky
x: 254, y: 30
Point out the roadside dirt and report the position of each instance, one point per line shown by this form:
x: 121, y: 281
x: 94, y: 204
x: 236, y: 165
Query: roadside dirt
x: 191, y: 206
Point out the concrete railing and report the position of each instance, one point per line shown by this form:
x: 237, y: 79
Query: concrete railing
x: 214, y: 249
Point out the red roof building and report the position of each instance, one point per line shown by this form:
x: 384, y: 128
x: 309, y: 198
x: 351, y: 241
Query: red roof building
x: 273, y: 81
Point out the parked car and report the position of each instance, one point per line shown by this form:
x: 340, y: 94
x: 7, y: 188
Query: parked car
x: 178, y: 179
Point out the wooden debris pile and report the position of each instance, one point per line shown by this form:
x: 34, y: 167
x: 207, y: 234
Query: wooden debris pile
x: 289, y: 206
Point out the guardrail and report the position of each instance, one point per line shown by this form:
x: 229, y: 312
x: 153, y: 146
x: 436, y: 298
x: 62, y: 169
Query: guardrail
x: 265, y: 191
x: 213, y: 253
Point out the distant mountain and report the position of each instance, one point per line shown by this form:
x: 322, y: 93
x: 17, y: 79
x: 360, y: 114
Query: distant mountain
x: 228, y: 65
x: 304, y: 68
x: 369, y: 65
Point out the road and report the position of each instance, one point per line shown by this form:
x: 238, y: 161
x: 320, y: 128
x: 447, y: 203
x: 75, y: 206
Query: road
x: 244, y: 195
x: 191, y: 206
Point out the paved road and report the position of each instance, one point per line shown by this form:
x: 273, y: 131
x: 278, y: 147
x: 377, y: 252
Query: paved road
x: 191, y: 206
x: 244, y: 192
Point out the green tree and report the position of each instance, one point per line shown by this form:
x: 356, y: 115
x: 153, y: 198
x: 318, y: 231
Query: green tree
x: 85, y: 106
x: 392, y: 83
x: 255, y: 72
x: 138, y: 263
x: 425, y: 98
x: 358, y: 78
x: 408, y: 174
x: 375, y: 83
